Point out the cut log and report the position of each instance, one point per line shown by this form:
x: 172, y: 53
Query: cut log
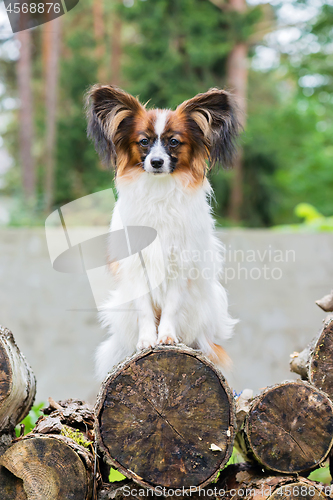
x: 326, y: 303
x: 245, y: 482
x: 236, y: 482
x: 51, y: 468
x: 315, y: 362
x: 56, y: 460
x: 11, y: 487
x: 165, y: 417
x: 17, y: 383
x: 289, y: 428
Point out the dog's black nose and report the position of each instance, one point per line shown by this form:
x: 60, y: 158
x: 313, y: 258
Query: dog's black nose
x: 156, y: 162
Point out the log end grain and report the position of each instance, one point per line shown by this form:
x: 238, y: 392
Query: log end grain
x: 166, y: 417
x: 290, y: 427
x: 48, y: 468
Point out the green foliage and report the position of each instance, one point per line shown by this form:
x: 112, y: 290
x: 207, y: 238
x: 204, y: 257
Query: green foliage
x: 115, y: 476
x: 173, y: 49
x: 313, y: 221
x: 30, y: 420
x: 180, y: 47
x: 236, y: 457
x: 78, y: 170
x: 322, y: 474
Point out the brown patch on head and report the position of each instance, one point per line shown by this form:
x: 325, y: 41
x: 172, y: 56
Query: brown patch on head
x: 191, y: 153
x: 130, y: 156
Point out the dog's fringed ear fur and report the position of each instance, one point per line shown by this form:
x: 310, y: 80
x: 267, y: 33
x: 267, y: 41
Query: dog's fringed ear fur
x: 109, y: 110
x: 215, y: 114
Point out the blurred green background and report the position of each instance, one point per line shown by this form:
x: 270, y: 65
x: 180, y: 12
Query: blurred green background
x: 276, y: 56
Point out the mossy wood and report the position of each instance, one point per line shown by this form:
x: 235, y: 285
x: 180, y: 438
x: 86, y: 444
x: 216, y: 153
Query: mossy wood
x: 289, y: 428
x: 55, y: 461
x: 315, y: 362
x: 17, y: 383
x: 165, y: 418
x: 243, y: 482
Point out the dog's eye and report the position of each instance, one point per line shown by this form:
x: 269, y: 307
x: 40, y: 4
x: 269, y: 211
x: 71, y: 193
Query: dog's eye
x: 174, y: 142
x: 144, y: 142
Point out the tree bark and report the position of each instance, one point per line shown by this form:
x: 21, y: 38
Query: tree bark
x: 26, y: 128
x: 52, y: 54
x: 99, y: 34
x: 166, y: 418
x: 116, y: 50
x: 56, y: 460
x: 288, y: 428
x: 17, y: 384
x: 315, y: 362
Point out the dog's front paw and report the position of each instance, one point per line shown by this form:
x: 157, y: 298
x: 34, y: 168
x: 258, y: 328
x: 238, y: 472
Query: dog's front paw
x: 167, y: 335
x: 146, y: 339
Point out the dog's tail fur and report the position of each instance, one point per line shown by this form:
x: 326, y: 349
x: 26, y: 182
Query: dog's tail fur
x: 219, y: 356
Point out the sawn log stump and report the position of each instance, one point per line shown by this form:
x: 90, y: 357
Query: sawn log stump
x: 315, y: 362
x: 288, y: 428
x: 165, y: 418
x: 55, y: 461
x: 17, y: 383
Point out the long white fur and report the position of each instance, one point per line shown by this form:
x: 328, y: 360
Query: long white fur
x: 193, y: 303
x: 158, y: 151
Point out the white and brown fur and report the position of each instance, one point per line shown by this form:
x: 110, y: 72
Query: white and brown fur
x: 160, y: 159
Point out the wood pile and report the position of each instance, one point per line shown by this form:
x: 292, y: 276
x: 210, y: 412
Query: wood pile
x: 167, y: 420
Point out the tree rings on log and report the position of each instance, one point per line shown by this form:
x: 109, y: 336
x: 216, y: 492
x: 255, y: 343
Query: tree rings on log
x: 245, y: 482
x: 17, y: 383
x: 49, y: 467
x: 165, y: 418
x: 289, y: 427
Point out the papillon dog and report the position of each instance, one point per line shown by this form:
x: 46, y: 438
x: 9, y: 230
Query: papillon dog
x: 161, y: 159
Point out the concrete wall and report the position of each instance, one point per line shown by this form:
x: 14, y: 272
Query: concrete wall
x: 273, y: 280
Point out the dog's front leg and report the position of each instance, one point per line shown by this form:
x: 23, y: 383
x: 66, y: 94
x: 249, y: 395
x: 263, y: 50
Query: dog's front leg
x: 147, y: 326
x: 167, y: 328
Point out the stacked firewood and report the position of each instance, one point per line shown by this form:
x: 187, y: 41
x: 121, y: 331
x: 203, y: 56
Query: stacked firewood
x: 167, y: 420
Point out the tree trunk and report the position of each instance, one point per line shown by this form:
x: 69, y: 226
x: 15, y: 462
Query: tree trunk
x: 315, y: 362
x: 26, y: 127
x: 55, y: 461
x: 166, y: 418
x: 237, y: 77
x: 116, y: 50
x: 17, y: 384
x: 99, y: 34
x: 288, y: 428
x: 246, y: 482
x: 52, y: 53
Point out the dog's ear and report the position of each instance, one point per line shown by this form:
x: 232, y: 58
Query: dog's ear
x: 214, y: 112
x: 110, y: 113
